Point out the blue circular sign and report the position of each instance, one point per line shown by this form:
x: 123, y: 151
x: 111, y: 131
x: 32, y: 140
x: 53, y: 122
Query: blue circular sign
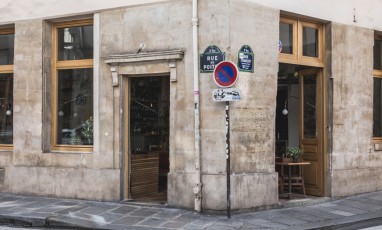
x: 225, y: 74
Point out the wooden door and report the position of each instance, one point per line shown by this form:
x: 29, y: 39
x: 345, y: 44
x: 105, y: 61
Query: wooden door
x: 311, y: 129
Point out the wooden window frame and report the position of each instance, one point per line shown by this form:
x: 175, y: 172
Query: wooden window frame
x: 62, y: 65
x: 376, y: 74
x: 4, y: 69
x: 297, y: 57
x: 293, y: 56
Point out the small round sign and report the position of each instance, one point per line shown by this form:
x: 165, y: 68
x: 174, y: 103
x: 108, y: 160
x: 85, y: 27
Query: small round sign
x: 225, y: 74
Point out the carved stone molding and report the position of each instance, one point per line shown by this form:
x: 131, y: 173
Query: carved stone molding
x: 170, y: 56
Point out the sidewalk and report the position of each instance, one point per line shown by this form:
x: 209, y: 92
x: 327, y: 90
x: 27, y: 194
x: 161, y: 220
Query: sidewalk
x: 40, y: 211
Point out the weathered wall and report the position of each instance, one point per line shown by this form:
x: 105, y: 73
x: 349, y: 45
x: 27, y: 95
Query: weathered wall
x: 355, y: 164
x: 32, y: 162
x: 254, y: 182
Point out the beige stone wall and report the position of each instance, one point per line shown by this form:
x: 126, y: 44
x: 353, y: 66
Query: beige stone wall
x: 356, y: 166
x: 254, y: 181
x: 33, y: 169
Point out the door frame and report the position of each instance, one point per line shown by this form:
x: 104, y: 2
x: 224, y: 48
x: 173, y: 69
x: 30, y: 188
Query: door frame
x: 162, y: 62
x: 320, y: 140
x: 126, y: 156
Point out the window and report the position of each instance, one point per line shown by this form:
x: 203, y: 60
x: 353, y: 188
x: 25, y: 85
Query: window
x: 7, y: 38
x: 72, y: 128
x: 301, y: 42
x: 377, y: 95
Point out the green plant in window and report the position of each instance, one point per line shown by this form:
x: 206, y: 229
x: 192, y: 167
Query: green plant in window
x: 87, y: 131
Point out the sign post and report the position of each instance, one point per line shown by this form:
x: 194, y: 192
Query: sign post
x: 225, y: 75
x: 228, y: 160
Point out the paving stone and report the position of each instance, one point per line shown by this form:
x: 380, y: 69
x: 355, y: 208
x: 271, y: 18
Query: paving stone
x: 37, y: 204
x: 93, y: 210
x: 128, y: 220
x: 329, y: 212
x: 144, y: 212
x: 220, y: 227
x: 284, y: 219
x: 300, y: 215
x: 110, y: 217
x: 123, y: 209
x: 342, y: 213
x: 360, y: 205
x: 168, y: 213
x: 67, y: 203
x: 323, y: 215
x: 266, y: 223
x: 349, y: 209
x: 193, y: 227
x: 328, y: 205
x: 370, y: 201
x: 187, y: 218
x: 376, y: 197
x: 173, y: 224
x: 153, y: 222
x: 72, y: 209
x: 51, y: 208
x: 232, y: 223
x: 204, y: 221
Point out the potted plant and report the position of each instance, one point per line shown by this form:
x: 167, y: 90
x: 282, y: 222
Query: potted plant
x: 294, y: 152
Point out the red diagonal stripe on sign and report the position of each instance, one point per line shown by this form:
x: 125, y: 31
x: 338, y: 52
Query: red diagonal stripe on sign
x: 225, y: 73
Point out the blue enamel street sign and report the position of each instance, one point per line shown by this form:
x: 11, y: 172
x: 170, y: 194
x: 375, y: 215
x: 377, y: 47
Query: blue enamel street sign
x: 245, y: 59
x: 210, y: 58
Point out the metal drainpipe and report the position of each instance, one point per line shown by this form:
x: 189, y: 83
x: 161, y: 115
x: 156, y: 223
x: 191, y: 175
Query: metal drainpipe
x: 198, y: 183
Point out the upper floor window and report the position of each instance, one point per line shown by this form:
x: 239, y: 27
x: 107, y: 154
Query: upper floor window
x: 72, y: 123
x: 7, y: 38
x: 377, y: 91
x: 301, y: 42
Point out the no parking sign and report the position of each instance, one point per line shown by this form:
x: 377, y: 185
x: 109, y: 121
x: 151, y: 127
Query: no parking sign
x: 225, y: 74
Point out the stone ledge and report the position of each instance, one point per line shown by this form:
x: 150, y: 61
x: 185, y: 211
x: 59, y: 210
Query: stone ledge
x: 143, y: 57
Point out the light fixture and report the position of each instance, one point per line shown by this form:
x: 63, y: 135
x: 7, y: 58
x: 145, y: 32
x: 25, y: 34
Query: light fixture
x: 8, y: 113
x: 285, y: 110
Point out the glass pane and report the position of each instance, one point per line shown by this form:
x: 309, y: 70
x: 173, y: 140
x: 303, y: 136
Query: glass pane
x: 286, y: 38
x: 6, y: 112
x: 309, y: 106
x: 310, y: 42
x: 6, y: 49
x: 75, y: 43
x: 75, y: 107
x: 377, y: 54
x: 377, y: 108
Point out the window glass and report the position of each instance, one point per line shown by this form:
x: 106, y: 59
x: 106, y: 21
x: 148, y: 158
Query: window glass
x: 6, y: 112
x: 310, y: 106
x: 377, y: 108
x: 75, y: 43
x: 377, y: 54
x: 310, y: 42
x: 286, y: 38
x: 6, y: 49
x: 75, y: 107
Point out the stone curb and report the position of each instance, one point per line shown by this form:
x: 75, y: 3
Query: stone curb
x: 22, y: 221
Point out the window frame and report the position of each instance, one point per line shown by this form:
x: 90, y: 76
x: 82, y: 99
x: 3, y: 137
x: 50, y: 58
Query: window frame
x: 62, y: 65
x: 376, y: 74
x: 7, y: 69
x: 297, y: 57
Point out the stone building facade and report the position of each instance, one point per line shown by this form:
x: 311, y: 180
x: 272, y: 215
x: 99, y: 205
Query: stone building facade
x: 344, y: 152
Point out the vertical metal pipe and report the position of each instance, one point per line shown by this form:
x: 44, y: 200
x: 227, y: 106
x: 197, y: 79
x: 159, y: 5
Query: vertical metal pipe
x: 198, y: 182
x: 228, y: 159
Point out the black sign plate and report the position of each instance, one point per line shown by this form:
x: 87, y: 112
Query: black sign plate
x: 245, y: 59
x: 210, y: 58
